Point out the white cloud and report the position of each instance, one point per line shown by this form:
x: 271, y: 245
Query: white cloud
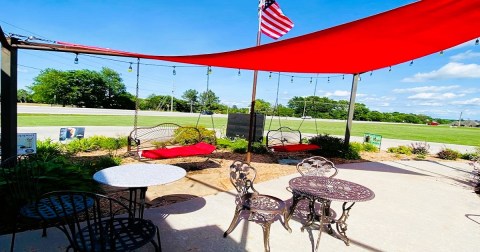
x: 431, y: 104
x: 450, y: 70
x: 425, y: 89
x: 465, y: 55
x: 378, y: 99
x: 434, y: 96
x: 470, y: 91
x: 474, y: 101
x: 338, y: 93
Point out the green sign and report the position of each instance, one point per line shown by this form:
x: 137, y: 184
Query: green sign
x: 373, y: 139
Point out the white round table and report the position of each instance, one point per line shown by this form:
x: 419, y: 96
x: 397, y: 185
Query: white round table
x: 137, y: 177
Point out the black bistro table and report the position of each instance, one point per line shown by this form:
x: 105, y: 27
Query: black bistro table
x: 325, y: 190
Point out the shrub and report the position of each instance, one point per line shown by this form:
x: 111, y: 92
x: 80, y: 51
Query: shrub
x: 223, y: 143
x: 47, y: 149
x: 80, y: 145
x: 329, y: 146
x: 402, y: 149
x: 356, y: 146
x: 259, y: 148
x: 334, y: 147
x: 239, y: 145
x: 189, y: 135
x: 420, y: 148
x: 369, y: 147
x: 449, y: 154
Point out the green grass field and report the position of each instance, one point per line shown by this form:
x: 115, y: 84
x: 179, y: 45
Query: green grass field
x: 440, y: 134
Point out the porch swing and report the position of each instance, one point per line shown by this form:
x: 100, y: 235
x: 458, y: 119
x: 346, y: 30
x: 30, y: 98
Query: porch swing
x: 165, y: 140
x: 285, y: 139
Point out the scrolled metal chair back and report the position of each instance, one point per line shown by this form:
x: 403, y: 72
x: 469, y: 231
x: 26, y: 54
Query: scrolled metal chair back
x: 317, y: 166
x: 242, y: 176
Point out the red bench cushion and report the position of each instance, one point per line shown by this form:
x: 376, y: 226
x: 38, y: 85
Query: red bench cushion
x: 198, y: 149
x: 295, y: 147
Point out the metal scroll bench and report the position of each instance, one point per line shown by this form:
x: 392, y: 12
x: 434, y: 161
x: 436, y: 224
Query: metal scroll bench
x: 285, y: 140
x: 168, y: 140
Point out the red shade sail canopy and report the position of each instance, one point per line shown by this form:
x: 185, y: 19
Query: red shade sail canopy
x: 379, y: 41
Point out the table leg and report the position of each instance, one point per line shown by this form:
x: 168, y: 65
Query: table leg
x: 342, y: 222
x: 137, y: 193
x: 322, y: 218
x: 312, y: 215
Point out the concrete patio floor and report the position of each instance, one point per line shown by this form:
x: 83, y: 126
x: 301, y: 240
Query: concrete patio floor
x: 419, y: 206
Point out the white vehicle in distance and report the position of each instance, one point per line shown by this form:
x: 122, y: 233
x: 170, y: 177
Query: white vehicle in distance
x: 306, y: 117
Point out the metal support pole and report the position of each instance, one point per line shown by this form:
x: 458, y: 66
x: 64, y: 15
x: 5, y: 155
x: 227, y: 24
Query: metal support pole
x: 351, y: 108
x: 8, y: 99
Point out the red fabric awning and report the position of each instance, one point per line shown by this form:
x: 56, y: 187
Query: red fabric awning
x: 379, y: 41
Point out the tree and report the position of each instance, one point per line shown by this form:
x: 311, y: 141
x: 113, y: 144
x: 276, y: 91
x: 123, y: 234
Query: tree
x: 24, y: 96
x: 83, y: 88
x: 263, y: 107
x: 191, y: 96
x: 208, y: 99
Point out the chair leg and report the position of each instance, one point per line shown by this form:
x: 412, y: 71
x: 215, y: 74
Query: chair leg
x: 158, y: 247
x: 285, y: 218
x: 266, y: 236
x: 12, y: 242
x: 234, y: 221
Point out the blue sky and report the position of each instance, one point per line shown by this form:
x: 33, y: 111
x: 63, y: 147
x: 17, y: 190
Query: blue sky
x: 437, y: 85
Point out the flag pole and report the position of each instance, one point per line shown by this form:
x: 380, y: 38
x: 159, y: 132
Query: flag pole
x: 254, y: 89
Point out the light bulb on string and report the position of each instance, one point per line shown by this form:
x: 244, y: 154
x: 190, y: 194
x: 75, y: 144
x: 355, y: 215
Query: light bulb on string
x: 291, y: 80
x: 477, y: 42
x: 75, y: 61
x: 130, y: 69
x: 343, y: 76
x: 328, y: 79
x: 441, y: 52
x: 270, y: 75
x: 390, y: 69
x: 209, y: 70
x: 239, y: 72
x: 411, y: 62
x: 311, y: 79
x: 371, y: 73
x: 174, y: 71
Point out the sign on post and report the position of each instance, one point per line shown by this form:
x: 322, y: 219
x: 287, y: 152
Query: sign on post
x: 67, y: 134
x: 26, y: 143
x: 373, y: 139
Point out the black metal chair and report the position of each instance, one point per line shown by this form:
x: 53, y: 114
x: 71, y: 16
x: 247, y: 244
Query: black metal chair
x: 94, y: 222
x: 262, y: 209
x: 21, y: 177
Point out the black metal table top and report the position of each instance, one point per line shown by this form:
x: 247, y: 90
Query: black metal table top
x: 331, y: 189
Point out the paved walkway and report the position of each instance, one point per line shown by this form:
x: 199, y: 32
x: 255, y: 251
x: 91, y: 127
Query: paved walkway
x: 419, y: 206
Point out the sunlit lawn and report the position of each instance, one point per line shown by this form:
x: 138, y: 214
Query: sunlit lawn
x: 441, y: 134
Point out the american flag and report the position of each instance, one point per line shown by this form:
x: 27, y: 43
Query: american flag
x: 273, y: 23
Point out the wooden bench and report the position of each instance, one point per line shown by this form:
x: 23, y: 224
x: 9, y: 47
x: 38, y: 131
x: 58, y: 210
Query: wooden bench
x: 285, y: 139
x: 167, y: 140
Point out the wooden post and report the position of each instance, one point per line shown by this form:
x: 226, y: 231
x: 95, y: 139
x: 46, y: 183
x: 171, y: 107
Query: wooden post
x: 351, y: 108
x: 8, y: 82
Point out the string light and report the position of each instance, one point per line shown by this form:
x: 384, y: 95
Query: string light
x: 174, y: 71
x: 343, y: 76
x: 328, y: 79
x: 311, y: 79
x: 270, y: 75
x: 130, y: 69
x: 477, y: 42
x: 441, y: 52
x: 390, y: 69
x: 291, y: 80
x: 411, y: 62
x: 209, y: 70
x: 76, y: 58
x: 239, y: 72
x: 371, y: 73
